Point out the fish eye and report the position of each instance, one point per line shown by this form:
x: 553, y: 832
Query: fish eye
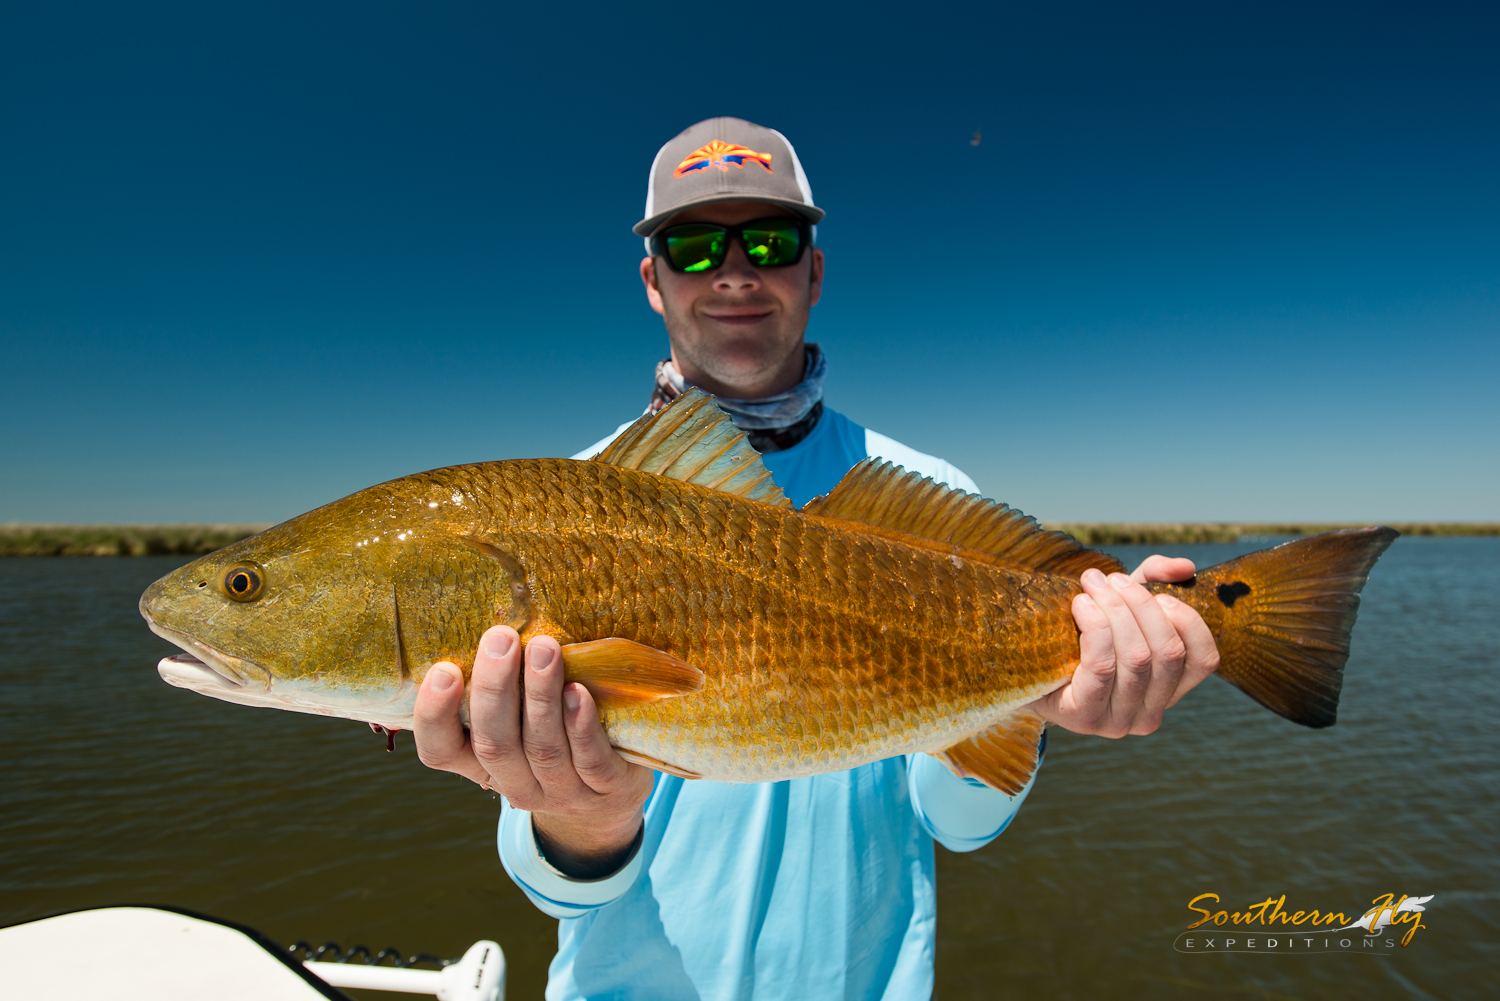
x: 243, y: 583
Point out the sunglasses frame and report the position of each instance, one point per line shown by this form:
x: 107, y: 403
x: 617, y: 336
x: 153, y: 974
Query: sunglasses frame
x: 737, y: 232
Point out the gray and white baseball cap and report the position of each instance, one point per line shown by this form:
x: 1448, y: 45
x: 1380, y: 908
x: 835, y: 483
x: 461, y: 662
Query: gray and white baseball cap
x: 725, y: 160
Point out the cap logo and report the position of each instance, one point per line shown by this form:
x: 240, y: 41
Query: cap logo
x: 720, y: 154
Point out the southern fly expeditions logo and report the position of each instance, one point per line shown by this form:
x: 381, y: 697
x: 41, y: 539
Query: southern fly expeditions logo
x: 721, y: 154
x: 1268, y: 927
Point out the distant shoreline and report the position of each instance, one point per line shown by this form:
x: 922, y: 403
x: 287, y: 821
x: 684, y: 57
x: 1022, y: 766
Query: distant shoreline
x: 1183, y: 533
x: 18, y: 539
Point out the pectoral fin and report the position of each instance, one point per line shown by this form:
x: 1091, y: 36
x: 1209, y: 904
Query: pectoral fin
x: 656, y: 764
x: 620, y: 673
x: 1004, y: 757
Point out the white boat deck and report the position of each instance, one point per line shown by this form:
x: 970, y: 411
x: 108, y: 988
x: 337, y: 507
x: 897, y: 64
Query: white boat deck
x: 158, y: 954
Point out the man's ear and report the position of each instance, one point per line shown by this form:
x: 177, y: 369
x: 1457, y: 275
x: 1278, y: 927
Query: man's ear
x: 653, y: 290
x: 815, y: 278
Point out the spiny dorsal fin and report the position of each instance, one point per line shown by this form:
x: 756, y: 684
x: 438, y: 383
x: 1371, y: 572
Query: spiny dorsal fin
x: 694, y: 441
x: 1004, y: 757
x: 885, y: 495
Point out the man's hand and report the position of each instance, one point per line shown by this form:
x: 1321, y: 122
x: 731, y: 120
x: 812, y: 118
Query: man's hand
x: 1139, y: 653
x: 540, y: 745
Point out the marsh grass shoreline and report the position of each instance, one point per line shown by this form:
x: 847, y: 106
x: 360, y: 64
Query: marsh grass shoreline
x: 1185, y: 533
x: 18, y: 539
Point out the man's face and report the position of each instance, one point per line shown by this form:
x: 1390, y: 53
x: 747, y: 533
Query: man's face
x: 736, y: 331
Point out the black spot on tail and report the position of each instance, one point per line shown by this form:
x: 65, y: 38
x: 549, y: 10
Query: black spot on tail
x: 1229, y: 593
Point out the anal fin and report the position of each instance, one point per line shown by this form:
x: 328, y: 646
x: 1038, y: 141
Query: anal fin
x: 620, y: 672
x: 1004, y: 757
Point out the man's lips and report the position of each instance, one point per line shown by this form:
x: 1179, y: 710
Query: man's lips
x: 739, y: 317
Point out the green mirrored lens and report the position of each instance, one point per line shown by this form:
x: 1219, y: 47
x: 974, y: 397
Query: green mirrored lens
x: 768, y: 243
x: 695, y: 248
x: 772, y: 242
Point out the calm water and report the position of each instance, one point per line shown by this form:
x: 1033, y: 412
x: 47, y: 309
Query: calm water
x: 118, y: 788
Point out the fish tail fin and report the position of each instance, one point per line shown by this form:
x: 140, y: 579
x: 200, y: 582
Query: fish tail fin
x: 1282, y: 618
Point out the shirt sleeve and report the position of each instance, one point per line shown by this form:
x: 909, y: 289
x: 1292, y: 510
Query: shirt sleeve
x: 877, y: 444
x: 602, y: 443
x: 554, y: 893
x: 961, y: 814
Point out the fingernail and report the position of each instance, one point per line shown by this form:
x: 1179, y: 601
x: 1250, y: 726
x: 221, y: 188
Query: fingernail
x: 499, y: 645
x: 541, y: 657
x: 570, y: 698
x: 441, y: 680
x: 1119, y: 581
x: 1093, y: 576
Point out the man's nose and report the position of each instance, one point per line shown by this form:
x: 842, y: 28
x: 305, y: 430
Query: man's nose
x: 736, y: 274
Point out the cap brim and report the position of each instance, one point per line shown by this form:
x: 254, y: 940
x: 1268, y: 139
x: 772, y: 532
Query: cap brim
x: 646, y: 227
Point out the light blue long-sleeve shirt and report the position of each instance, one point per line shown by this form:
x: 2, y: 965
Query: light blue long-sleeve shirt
x: 813, y: 887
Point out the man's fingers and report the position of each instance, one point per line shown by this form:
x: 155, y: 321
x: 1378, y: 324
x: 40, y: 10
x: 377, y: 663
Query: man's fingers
x: 1132, y: 652
x: 596, y: 762
x: 1164, y: 569
x: 1166, y: 650
x: 495, y: 715
x: 1202, y: 652
x: 1082, y: 704
x: 543, y: 735
x: 1138, y: 653
x: 441, y: 741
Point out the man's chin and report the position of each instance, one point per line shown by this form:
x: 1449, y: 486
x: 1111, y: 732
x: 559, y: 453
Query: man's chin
x: 741, y: 361
x: 741, y: 378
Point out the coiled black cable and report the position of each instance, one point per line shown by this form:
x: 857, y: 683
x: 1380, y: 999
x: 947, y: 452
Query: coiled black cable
x: 309, y: 954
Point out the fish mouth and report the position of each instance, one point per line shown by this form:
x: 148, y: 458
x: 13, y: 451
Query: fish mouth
x: 186, y: 671
x: 203, y: 668
x: 208, y: 671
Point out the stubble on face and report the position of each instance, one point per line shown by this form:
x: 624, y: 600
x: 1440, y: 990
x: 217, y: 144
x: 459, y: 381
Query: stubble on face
x: 737, y: 331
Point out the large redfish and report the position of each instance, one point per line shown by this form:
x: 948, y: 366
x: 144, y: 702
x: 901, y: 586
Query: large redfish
x: 723, y: 634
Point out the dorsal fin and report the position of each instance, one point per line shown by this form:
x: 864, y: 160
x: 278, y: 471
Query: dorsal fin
x: 693, y: 440
x: 885, y: 495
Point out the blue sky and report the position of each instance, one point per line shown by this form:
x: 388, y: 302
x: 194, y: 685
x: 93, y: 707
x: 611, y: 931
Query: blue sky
x: 1208, y: 262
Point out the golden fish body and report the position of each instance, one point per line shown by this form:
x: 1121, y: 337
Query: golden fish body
x: 893, y: 616
x: 823, y: 644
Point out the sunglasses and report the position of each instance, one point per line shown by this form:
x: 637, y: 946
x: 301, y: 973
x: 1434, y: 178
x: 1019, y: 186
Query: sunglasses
x: 701, y: 246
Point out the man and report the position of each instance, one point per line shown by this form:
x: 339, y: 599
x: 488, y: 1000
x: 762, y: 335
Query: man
x: 814, y: 887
